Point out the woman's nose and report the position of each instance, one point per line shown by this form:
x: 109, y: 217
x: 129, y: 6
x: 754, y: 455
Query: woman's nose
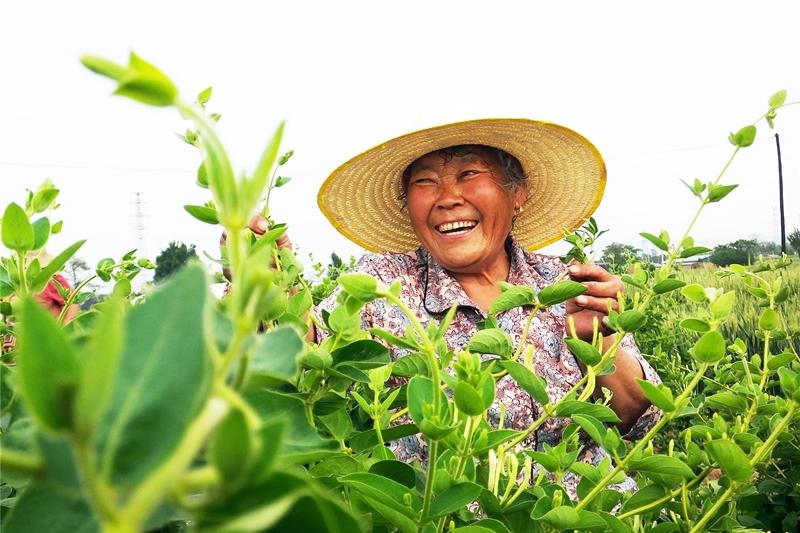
x: 449, y: 194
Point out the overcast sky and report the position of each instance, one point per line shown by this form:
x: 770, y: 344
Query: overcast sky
x: 656, y: 86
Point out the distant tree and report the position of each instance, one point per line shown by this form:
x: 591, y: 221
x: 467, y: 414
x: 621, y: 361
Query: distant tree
x: 794, y: 240
x: 741, y: 252
x: 74, y: 270
x: 768, y: 248
x: 617, y: 254
x: 172, y: 258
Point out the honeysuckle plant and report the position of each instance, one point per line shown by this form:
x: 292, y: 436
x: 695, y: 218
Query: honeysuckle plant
x: 184, y: 411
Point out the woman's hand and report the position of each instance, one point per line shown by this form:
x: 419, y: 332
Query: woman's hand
x: 601, y: 287
x: 259, y: 226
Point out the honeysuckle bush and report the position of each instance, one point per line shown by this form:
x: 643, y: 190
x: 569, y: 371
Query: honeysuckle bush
x: 179, y: 410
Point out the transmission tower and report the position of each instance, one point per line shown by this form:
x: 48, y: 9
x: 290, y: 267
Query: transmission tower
x: 139, y: 225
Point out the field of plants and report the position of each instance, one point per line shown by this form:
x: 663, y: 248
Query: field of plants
x: 173, y: 410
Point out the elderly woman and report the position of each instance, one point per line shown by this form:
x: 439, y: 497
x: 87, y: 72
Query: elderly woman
x: 453, y: 210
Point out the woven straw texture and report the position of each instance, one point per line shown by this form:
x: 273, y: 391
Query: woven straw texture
x: 566, y: 179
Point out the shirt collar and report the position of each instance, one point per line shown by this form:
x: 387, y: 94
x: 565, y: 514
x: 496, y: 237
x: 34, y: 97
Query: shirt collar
x: 442, y: 291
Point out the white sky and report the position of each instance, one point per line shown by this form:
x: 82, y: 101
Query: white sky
x: 656, y: 86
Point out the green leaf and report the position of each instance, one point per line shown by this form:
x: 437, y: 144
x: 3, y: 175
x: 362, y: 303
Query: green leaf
x: 694, y: 292
x: 453, y: 499
x: 55, y: 265
x: 657, y: 242
x: 562, y: 517
x: 710, y: 348
x: 161, y: 381
x: 46, y: 508
x: 723, y: 305
x: 514, y: 296
x: 302, y: 441
x: 598, y: 411
x: 48, y: 368
x: 363, y: 354
x: 397, y: 471
x: 667, y: 285
x: 658, y: 395
x: 533, y: 384
x: 769, y: 320
x: 643, y: 496
x: 277, y: 352
x: 778, y: 99
x: 662, y: 464
x: 695, y: 324
x: 584, y: 351
x: 550, y: 463
x: 468, y: 399
x: 394, y: 340
x: 718, y: 192
x: 410, y: 365
x: 102, y: 357
x: 694, y: 250
x: 593, y: 427
x: 361, y: 286
x: 419, y: 393
x: 560, y: 292
x: 203, y: 213
x: 733, y: 461
x: 43, y: 199
x: 783, y: 359
x: 16, y: 230
x: 282, y: 160
x: 122, y: 288
x: 383, y: 489
x: 280, y: 181
x: 41, y: 232
x: 202, y: 176
x: 204, y: 96
x: 254, y: 187
x: 143, y: 82
x: 231, y: 446
x: 104, y: 67
x: 339, y: 423
x: 368, y: 439
x: 491, y: 341
x: 727, y: 399
x: 631, y: 320
x: 744, y: 137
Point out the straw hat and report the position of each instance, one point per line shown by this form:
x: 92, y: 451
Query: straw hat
x: 566, y: 179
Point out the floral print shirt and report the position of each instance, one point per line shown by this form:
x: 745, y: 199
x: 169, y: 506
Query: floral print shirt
x: 429, y: 289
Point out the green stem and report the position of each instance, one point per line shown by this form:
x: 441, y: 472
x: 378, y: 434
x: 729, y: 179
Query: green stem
x: 100, y: 496
x: 159, y: 482
x: 760, y: 453
x: 72, y: 295
x: 20, y: 462
x: 549, y: 409
x: 524, y: 336
x: 433, y: 449
x: 720, y: 501
x: 679, y: 401
x: 223, y: 192
x: 664, y: 499
x: 23, y: 282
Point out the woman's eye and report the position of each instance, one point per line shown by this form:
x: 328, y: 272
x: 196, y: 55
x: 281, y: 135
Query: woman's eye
x: 470, y: 172
x: 421, y: 181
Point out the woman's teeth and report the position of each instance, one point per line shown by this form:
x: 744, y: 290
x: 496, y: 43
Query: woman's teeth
x: 461, y: 226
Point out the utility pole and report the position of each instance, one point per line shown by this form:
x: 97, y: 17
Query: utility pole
x: 780, y: 193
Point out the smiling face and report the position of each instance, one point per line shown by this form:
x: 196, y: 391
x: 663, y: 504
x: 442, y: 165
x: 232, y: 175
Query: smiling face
x: 461, y: 209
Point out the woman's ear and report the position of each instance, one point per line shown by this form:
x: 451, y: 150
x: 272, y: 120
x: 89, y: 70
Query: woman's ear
x: 520, y: 197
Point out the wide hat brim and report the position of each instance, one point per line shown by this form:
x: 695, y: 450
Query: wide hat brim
x: 566, y: 180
